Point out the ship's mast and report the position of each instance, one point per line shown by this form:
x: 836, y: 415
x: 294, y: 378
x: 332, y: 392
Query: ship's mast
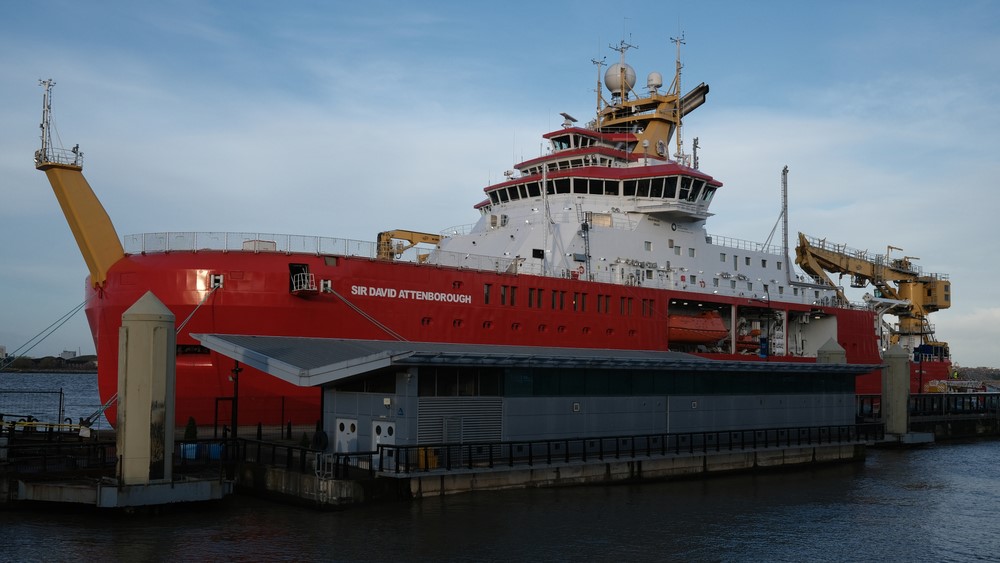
x: 48, y: 154
x: 46, y: 126
x: 599, y: 64
x: 784, y: 223
x: 677, y: 97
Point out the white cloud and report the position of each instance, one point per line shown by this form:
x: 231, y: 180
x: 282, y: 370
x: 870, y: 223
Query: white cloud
x: 345, y: 121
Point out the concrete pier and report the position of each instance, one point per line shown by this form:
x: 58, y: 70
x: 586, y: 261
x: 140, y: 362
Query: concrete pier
x: 311, y: 489
x: 145, y: 432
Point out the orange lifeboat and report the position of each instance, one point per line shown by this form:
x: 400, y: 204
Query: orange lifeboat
x: 706, y: 327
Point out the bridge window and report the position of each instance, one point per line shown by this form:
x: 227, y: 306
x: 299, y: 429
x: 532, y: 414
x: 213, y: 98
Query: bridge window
x: 656, y: 188
x: 534, y: 190
x: 671, y: 188
x: 685, y: 188
x: 629, y: 188
x: 643, y: 188
x: 486, y: 293
x: 698, y: 185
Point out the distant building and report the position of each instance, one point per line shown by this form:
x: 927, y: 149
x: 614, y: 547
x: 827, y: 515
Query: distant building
x: 3, y: 351
x: 67, y: 354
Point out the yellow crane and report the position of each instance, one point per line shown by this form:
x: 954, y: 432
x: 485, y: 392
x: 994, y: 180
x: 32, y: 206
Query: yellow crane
x: 916, y: 294
x: 387, y: 250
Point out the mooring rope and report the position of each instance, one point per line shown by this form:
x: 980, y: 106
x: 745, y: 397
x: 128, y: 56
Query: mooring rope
x: 41, y: 336
x: 374, y: 321
x: 195, y: 310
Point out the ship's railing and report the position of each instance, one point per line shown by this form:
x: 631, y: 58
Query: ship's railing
x: 246, y: 242
x: 472, y: 261
x: 53, y: 155
x: 741, y: 244
x: 458, y: 230
x: 297, y: 244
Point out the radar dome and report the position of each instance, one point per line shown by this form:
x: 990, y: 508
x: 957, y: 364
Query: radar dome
x: 615, y: 74
x: 654, y: 80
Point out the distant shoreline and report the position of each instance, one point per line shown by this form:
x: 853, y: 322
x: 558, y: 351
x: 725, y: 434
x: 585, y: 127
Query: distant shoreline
x: 70, y: 371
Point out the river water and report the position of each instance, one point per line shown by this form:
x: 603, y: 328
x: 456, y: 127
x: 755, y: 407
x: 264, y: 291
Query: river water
x: 935, y: 503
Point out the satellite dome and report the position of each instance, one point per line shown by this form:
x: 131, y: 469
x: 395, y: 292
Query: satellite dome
x: 654, y: 80
x: 616, y: 72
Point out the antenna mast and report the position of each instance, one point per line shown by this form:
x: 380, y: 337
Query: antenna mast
x: 677, y: 98
x: 784, y: 222
x: 43, y: 154
x: 600, y: 65
x: 49, y: 154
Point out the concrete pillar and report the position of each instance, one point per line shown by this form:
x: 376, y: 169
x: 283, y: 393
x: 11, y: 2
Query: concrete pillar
x: 146, y: 369
x: 831, y: 353
x: 896, y: 391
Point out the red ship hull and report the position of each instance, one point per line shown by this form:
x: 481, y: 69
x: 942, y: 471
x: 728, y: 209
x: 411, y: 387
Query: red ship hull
x: 406, y: 298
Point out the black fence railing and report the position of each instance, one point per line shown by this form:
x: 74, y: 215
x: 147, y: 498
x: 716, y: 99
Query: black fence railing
x: 291, y: 457
x: 449, y: 456
x: 25, y: 458
x: 942, y: 405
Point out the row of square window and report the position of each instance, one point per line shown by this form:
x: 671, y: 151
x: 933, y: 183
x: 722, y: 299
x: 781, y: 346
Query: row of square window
x: 561, y: 300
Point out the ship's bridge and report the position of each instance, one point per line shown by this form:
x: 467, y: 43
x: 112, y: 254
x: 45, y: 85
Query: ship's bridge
x: 668, y: 191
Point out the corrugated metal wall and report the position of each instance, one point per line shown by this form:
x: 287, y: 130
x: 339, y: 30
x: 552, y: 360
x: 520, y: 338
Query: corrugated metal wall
x: 465, y: 419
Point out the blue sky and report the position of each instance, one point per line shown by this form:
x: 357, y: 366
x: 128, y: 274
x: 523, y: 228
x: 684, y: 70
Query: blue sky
x: 346, y: 118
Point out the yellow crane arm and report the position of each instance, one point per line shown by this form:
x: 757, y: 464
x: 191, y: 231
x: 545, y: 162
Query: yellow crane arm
x: 95, y: 234
x: 895, y: 279
x: 388, y: 251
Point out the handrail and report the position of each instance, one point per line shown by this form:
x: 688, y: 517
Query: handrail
x: 473, y: 455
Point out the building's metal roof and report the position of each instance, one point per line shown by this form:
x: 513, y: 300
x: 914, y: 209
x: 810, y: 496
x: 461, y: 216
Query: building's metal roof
x: 319, y: 361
